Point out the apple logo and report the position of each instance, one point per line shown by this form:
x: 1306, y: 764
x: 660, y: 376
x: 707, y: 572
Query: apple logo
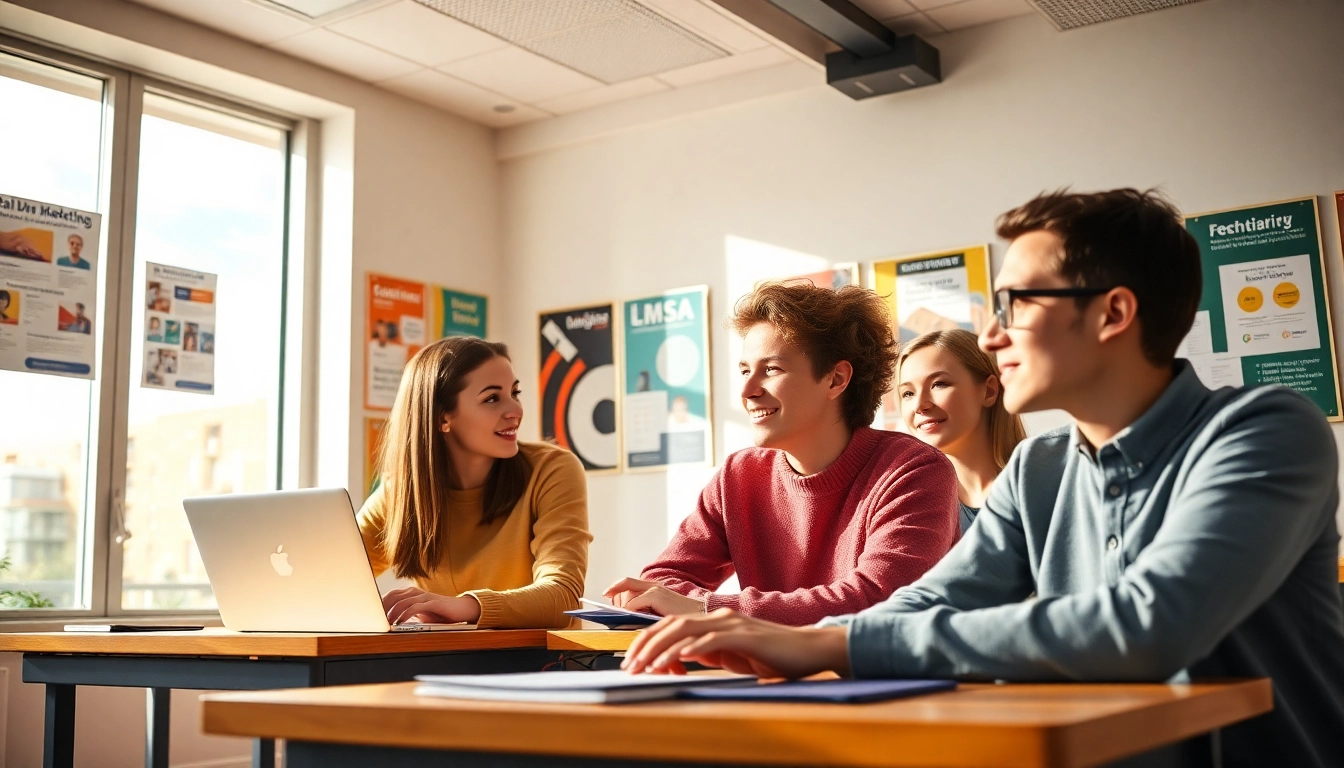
x: 280, y: 561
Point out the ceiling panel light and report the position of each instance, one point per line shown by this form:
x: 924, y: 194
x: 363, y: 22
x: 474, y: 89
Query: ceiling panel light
x: 609, y: 40
x: 1070, y: 14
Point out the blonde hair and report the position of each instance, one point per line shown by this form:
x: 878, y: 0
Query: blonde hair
x: 1005, y: 429
x: 413, y: 455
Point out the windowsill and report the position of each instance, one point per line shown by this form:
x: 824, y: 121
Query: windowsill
x: 36, y: 624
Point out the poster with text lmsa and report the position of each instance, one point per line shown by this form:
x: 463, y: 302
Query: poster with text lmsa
x: 933, y: 292
x: 1264, y: 315
x: 665, y: 406
x: 394, y: 329
x: 457, y: 313
x: 577, y: 385
x: 48, y: 287
x: 179, y: 329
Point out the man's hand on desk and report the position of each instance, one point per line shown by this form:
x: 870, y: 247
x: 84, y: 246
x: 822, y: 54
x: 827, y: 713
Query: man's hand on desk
x: 416, y: 606
x: 651, y: 597
x: 727, y: 639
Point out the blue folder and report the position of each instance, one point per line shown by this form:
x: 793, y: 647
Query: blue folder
x: 838, y: 691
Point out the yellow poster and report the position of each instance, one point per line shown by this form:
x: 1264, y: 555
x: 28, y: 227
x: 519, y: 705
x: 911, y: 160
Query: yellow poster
x: 933, y: 292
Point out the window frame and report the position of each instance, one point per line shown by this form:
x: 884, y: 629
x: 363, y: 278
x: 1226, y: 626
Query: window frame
x: 99, y: 558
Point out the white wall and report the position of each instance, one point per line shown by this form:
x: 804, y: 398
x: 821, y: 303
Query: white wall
x: 409, y: 191
x: 1221, y: 103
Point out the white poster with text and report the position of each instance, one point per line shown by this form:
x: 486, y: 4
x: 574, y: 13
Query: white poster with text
x: 48, y: 287
x: 179, y: 329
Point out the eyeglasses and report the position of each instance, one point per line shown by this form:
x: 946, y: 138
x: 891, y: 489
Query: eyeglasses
x: 1006, y: 297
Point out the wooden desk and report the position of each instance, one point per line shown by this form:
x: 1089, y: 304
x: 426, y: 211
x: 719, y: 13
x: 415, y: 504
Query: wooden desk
x: 595, y: 640
x: 223, y: 660
x: 977, y: 725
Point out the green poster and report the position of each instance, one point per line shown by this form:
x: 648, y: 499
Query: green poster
x: 459, y: 314
x: 1264, y: 316
x: 665, y: 375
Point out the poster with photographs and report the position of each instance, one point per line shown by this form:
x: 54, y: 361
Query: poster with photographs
x: 577, y: 385
x: 179, y: 329
x: 395, y: 330
x: 932, y: 292
x: 834, y: 278
x: 665, y: 404
x: 48, y: 287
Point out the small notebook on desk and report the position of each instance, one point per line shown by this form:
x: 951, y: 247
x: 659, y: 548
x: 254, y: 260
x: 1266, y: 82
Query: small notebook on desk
x: 608, y: 686
x: 614, y: 617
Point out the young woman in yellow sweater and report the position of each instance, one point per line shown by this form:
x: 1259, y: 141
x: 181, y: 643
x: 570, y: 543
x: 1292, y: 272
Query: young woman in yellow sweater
x: 493, y: 532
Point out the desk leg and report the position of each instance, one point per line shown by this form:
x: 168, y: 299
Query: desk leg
x: 58, y: 743
x: 1216, y: 749
x: 263, y: 753
x: 158, y: 702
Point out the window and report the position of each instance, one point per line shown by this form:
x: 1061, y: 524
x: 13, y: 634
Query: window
x: 88, y: 462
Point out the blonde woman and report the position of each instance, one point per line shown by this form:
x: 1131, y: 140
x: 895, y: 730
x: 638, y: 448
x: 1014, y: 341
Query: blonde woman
x: 493, y: 532
x: 951, y: 398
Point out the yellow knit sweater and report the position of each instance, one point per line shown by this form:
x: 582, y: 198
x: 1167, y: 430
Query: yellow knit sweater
x: 524, y: 569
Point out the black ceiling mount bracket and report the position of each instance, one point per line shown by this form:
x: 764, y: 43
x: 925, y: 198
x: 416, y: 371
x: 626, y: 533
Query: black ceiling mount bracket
x: 874, y: 61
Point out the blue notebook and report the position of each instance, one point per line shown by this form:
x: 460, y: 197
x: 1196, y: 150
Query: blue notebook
x: 838, y: 691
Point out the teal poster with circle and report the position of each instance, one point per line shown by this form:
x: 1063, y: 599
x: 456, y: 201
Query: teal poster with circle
x: 665, y: 376
x: 1264, y: 316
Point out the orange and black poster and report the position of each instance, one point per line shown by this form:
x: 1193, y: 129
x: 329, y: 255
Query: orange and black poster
x: 395, y: 331
x: 577, y: 385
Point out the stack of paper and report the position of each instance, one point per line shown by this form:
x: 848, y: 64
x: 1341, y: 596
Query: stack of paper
x: 577, y: 687
x: 613, y: 616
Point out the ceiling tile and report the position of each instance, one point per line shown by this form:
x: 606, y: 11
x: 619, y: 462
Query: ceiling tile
x: 885, y: 9
x: 469, y: 101
x: 415, y: 32
x: 925, y: 5
x: 914, y: 24
x: 236, y: 17
x: 520, y: 75
x: 342, y: 54
x: 712, y: 24
x: 973, y: 12
x: 604, y: 95
x: 732, y: 65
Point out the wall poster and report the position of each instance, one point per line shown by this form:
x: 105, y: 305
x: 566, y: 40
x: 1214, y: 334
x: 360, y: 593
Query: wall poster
x: 933, y: 292
x: 1264, y: 316
x: 48, y: 287
x: 394, y: 328
x: 373, y: 436
x: 459, y: 314
x: 179, y: 329
x: 836, y: 277
x: 577, y: 385
x: 665, y: 404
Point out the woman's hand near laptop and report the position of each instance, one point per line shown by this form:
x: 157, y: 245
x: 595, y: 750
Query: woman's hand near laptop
x: 651, y: 597
x: 738, y: 643
x: 416, y: 606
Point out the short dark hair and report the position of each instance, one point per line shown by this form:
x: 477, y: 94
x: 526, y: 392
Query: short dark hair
x: 1123, y: 237
x: 849, y: 323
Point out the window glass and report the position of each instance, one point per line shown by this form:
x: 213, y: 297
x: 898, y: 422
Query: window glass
x: 50, y: 150
x: 211, y: 198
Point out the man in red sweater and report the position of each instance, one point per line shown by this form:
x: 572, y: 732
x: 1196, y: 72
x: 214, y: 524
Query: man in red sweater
x: 826, y: 516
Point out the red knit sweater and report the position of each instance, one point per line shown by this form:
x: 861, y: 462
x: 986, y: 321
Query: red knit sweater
x: 808, y: 547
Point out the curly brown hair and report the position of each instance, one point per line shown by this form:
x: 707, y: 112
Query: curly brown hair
x: 849, y: 323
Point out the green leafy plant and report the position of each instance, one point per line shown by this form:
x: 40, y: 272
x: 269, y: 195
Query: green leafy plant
x: 20, y: 598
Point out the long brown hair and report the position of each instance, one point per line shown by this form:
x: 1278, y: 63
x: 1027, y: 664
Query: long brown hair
x: 416, y: 469
x: 1005, y: 429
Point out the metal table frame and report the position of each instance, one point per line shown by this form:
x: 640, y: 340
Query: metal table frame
x: 61, y: 673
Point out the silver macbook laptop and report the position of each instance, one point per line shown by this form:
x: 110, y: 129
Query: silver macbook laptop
x: 290, y: 561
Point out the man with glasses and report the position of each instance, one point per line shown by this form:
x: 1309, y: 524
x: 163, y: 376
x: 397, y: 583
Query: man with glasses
x: 1173, y: 532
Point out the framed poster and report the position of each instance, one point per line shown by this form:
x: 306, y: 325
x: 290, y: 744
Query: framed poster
x: 457, y: 313
x: 1264, y: 316
x: 665, y: 395
x: 394, y: 329
x: 577, y: 385
x: 933, y: 292
x: 837, y: 276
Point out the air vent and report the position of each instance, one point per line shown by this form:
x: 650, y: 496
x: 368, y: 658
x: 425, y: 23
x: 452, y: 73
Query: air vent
x: 1071, y: 14
x: 610, y: 40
